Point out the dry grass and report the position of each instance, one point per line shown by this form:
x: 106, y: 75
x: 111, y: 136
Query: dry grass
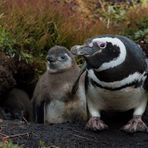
x: 39, y: 24
x: 36, y: 25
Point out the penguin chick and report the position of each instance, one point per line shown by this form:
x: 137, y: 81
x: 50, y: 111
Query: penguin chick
x: 18, y: 105
x: 53, y: 100
x: 116, y: 79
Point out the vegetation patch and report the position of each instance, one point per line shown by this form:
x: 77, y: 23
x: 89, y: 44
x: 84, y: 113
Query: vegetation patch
x: 28, y: 28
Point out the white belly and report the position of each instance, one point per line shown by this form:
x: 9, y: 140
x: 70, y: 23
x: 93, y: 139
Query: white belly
x: 58, y: 111
x: 121, y: 100
x: 53, y: 112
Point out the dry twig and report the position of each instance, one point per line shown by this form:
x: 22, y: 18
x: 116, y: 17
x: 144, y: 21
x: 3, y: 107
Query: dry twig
x: 26, y: 122
x: 6, y: 137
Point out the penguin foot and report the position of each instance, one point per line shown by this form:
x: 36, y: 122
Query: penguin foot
x: 135, y: 125
x: 96, y: 124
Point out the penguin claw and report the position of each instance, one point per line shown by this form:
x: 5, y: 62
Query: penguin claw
x: 96, y: 124
x: 135, y: 125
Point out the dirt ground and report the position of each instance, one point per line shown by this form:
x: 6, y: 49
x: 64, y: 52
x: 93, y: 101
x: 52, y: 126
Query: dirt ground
x: 74, y: 135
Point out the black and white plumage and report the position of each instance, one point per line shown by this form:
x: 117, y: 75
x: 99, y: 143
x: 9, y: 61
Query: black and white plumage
x: 116, y: 79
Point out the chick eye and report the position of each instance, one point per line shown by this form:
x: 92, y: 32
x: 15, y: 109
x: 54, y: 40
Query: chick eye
x: 63, y: 57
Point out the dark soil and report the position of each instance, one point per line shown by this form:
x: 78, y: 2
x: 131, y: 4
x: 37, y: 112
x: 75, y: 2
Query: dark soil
x: 74, y: 135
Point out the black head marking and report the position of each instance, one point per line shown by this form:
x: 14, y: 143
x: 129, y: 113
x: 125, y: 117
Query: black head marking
x: 103, y: 52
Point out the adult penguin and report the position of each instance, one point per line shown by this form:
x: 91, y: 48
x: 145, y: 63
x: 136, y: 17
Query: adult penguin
x: 116, y: 79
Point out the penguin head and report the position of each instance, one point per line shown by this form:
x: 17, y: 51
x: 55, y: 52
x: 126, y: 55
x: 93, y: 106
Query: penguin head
x: 59, y: 59
x: 99, y: 50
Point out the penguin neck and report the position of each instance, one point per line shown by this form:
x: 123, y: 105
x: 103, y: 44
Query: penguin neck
x: 135, y: 79
x: 130, y: 71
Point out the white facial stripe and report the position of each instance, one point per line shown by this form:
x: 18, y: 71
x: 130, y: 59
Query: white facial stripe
x: 117, y: 61
x: 116, y: 84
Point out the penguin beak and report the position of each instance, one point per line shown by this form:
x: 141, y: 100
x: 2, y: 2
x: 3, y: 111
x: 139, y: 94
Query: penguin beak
x: 82, y: 50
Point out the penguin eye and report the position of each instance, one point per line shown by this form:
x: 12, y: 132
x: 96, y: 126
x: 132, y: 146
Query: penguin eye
x: 102, y: 45
x: 63, y: 57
